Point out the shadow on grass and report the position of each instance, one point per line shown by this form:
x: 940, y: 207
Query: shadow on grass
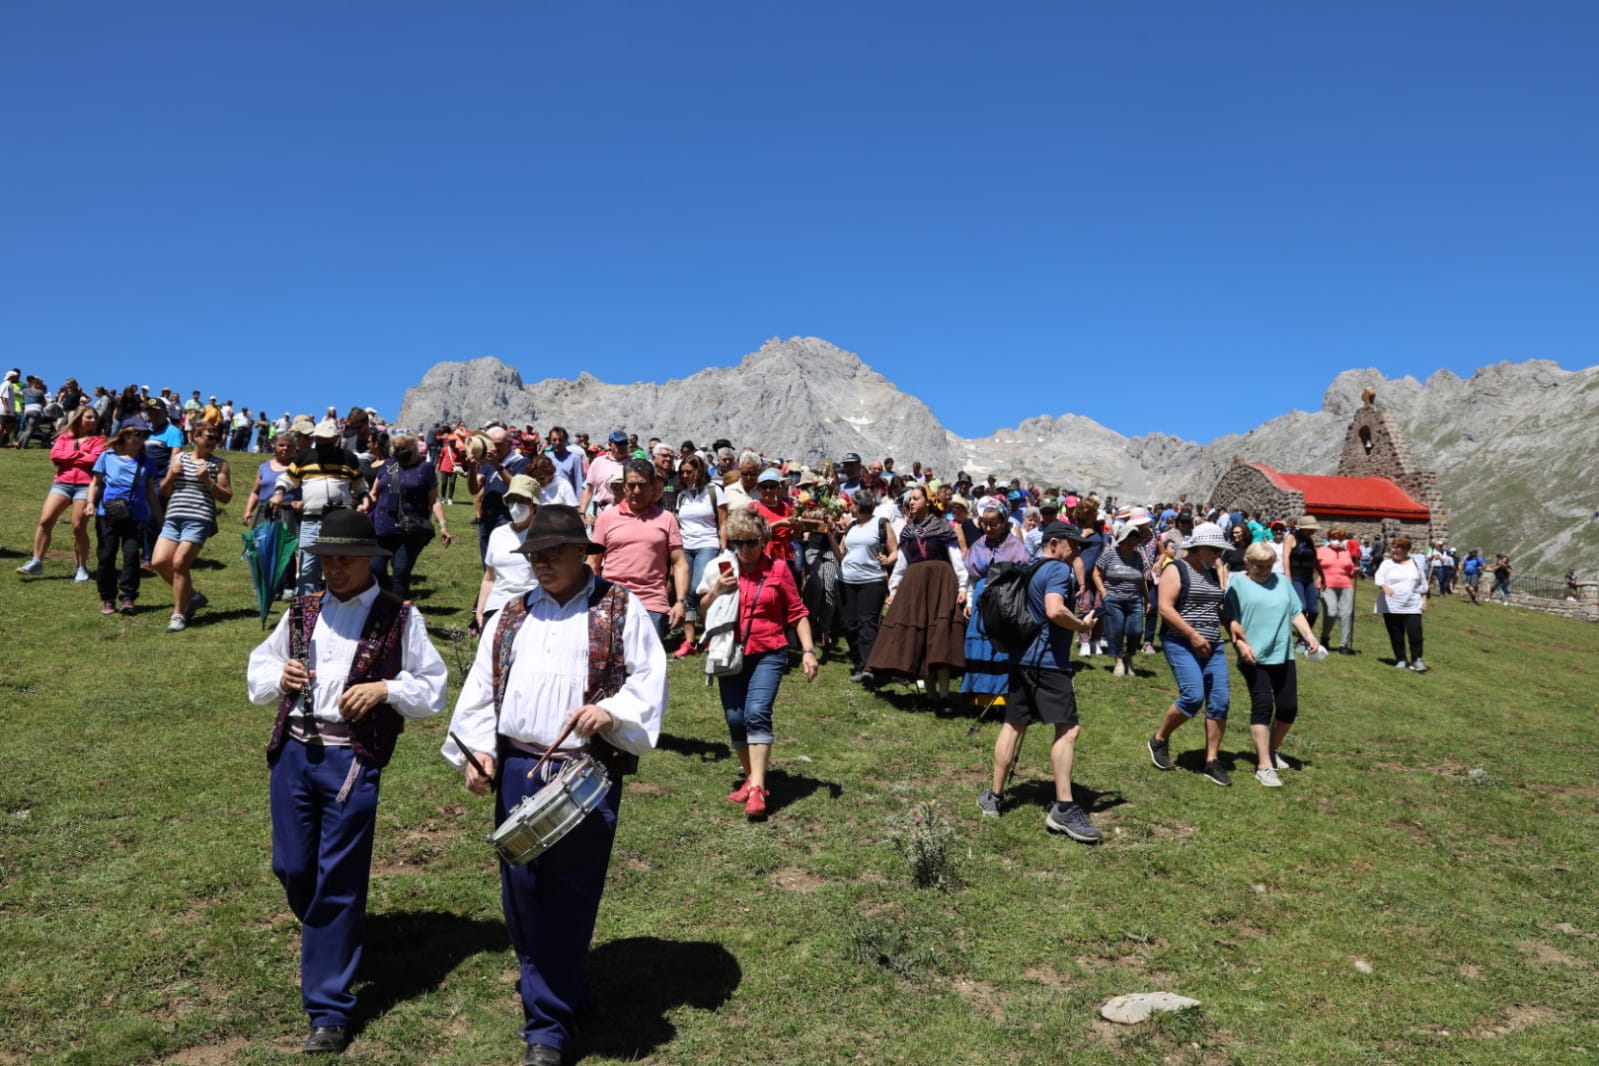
x: 435, y: 610
x: 1041, y: 793
x: 786, y: 788
x: 409, y: 954
x: 637, y: 982
x: 913, y: 702
x: 206, y: 618
x: 695, y: 748
x: 203, y: 563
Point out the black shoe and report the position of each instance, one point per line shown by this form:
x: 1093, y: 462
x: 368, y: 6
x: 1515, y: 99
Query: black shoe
x: 327, y: 1040
x: 1160, y: 753
x: 541, y: 1055
x: 1214, y: 771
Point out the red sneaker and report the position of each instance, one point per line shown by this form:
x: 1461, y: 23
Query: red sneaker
x: 685, y: 649
x: 741, y: 794
x: 756, y: 805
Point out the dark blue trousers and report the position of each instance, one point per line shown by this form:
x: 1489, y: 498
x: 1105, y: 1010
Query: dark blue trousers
x: 550, y: 906
x: 322, y: 853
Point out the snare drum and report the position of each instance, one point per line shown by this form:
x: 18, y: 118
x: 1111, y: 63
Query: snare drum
x: 540, y: 820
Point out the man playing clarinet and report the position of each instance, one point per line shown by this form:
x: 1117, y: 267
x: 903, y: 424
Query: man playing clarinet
x: 575, y: 666
x: 345, y: 669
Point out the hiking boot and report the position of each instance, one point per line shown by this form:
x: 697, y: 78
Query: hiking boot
x: 31, y: 568
x: 1072, y: 820
x: 988, y: 803
x: 1219, y: 776
x: 127, y: 605
x: 176, y: 624
x: 1419, y: 666
x: 1269, y: 778
x: 1160, y: 753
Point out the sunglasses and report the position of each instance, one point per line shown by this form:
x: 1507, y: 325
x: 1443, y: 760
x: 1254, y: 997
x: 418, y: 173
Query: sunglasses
x: 743, y: 543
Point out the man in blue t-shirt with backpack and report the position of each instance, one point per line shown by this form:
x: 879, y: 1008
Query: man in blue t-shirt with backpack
x: 1041, y: 684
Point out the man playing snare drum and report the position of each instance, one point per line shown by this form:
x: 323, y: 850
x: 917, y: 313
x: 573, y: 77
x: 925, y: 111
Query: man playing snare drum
x: 575, y: 665
x: 371, y: 667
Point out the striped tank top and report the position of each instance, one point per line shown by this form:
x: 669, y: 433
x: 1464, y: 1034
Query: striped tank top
x: 190, y: 498
x: 1202, y: 608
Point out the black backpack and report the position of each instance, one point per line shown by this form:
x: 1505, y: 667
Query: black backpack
x: 1011, y: 627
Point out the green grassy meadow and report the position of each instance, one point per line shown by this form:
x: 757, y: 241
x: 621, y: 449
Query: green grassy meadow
x: 1424, y: 889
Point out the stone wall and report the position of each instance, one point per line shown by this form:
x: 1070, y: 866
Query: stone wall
x: 1244, y: 487
x: 1375, y: 446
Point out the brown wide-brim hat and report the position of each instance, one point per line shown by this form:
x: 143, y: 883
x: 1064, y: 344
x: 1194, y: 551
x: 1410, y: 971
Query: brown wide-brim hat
x: 555, y: 524
x: 347, y: 532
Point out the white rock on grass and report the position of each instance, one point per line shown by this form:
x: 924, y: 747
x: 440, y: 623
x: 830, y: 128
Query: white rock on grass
x: 1137, y: 1007
x: 1364, y: 967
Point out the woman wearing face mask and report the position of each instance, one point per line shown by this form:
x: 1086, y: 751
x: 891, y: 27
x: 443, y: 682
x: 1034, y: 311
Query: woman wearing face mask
x: 403, y: 504
x: 507, y: 573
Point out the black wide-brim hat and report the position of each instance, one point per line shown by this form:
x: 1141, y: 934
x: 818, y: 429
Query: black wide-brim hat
x: 555, y: 524
x: 347, y: 532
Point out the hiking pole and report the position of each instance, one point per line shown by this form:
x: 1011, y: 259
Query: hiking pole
x: 992, y: 699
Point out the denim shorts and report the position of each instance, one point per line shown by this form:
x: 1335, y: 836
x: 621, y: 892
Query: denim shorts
x: 71, y: 492
x: 1199, y: 684
x: 187, y: 530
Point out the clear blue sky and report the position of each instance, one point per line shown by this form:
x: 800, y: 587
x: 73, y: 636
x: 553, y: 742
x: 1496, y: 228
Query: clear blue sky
x: 1169, y: 216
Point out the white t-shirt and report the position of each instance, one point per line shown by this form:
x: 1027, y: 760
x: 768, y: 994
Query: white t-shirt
x: 559, y: 490
x: 1408, y: 580
x: 513, y: 571
x: 696, y: 516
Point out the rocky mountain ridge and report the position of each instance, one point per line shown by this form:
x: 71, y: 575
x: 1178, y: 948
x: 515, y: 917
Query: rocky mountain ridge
x: 1514, y: 445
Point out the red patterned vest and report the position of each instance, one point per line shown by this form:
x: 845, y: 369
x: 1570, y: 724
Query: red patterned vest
x: 607, y: 663
x: 378, y: 657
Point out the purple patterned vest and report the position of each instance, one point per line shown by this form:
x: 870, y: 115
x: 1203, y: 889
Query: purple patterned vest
x: 378, y: 657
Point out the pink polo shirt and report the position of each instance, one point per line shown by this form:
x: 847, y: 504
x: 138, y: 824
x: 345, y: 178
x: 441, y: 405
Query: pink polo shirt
x: 638, y: 552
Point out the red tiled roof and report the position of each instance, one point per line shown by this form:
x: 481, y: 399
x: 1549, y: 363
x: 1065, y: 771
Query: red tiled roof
x: 1374, y: 497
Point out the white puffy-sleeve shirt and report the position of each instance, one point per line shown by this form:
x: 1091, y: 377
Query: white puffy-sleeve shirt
x: 417, y: 691
x: 549, y: 674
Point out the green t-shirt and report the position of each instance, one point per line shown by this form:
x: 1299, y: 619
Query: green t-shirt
x: 1266, y: 611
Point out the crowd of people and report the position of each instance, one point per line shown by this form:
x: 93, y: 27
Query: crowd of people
x: 596, y: 560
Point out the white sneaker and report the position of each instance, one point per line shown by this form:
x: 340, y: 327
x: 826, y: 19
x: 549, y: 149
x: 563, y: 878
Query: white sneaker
x: 1085, y: 650
x: 1120, y: 671
x: 176, y: 624
x: 1269, y: 778
x: 1402, y: 665
x: 1280, y: 763
x: 1104, y: 647
x: 31, y: 568
x: 82, y: 574
x: 1419, y: 666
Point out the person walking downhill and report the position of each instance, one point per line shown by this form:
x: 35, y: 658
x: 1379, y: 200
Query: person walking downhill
x: 1040, y: 687
x: 1265, y: 612
x: 122, y: 497
x: 1401, y: 600
x: 367, y: 667
x: 195, y: 483
x: 1193, y: 608
x: 1338, y: 568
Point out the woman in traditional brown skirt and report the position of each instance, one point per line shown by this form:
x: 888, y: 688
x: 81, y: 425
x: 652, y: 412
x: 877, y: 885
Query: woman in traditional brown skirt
x: 924, y: 632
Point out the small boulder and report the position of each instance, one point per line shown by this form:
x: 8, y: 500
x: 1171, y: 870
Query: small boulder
x: 1137, y: 1007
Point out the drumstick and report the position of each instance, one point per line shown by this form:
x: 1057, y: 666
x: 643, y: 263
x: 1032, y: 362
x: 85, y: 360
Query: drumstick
x: 551, y: 749
x: 470, y: 757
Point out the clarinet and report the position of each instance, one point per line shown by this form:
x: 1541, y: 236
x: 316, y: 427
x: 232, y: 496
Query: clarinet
x: 298, y: 650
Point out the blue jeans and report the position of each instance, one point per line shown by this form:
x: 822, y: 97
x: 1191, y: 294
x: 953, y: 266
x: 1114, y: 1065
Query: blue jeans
x: 1199, y: 683
x: 747, y: 697
x: 698, y: 560
x: 1309, y: 598
x: 1124, y: 626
